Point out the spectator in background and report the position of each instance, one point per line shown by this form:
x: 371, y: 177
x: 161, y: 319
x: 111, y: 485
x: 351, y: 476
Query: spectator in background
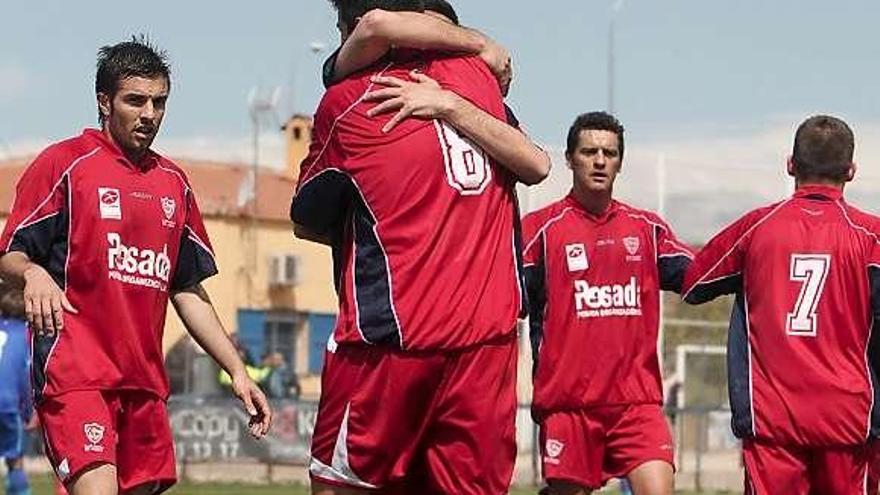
x: 16, y: 408
x: 259, y: 374
x: 282, y: 382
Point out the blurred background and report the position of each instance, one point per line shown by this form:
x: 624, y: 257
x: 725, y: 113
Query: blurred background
x: 710, y: 94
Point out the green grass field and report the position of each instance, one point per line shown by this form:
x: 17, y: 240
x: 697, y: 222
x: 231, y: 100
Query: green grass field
x: 42, y: 485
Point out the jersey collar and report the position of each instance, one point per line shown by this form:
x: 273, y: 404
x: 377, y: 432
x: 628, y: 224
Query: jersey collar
x: 605, y: 216
x: 816, y: 191
x: 151, y: 159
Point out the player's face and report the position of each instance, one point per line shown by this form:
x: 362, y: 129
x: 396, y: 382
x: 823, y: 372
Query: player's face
x: 135, y: 112
x: 596, y: 160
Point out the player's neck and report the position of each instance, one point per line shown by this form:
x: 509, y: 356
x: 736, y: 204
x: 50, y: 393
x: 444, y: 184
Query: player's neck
x: 133, y: 157
x: 819, y: 182
x: 596, y: 203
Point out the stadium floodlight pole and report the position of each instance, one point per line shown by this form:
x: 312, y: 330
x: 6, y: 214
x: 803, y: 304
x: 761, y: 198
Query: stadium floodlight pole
x: 615, y: 8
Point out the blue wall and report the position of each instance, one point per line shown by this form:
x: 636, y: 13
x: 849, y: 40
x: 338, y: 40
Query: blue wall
x: 251, y: 332
x: 320, y: 328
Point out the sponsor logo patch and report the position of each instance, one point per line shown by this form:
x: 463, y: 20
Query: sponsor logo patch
x: 137, y: 266
x: 576, y: 256
x: 94, y: 434
x: 109, y: 205
x: 593, y: 301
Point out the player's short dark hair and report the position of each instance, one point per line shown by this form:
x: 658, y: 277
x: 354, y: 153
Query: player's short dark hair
x: 351, y: 10
x: 443, y: 8
x: 594, y: 121
x: 137, y: 57
x: 11, y: 301
x: 823, y: 149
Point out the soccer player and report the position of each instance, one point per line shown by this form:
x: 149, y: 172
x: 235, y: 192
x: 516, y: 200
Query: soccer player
x: 423, y: 373
x: 16, y: 409
x: 595, y: 268
x: 380, y: 31
x: 102, y: 233
x: 801, y: 351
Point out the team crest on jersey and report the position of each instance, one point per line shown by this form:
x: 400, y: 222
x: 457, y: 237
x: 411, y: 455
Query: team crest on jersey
x: 168, y: 207
x: 554, y: 450
x: 94, y: 434
x: 632, y: 244
x: 109, y: 204
x: 576, y: 256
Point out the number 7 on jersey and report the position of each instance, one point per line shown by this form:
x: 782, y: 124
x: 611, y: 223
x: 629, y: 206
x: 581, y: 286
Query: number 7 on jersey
x: 810, y: 270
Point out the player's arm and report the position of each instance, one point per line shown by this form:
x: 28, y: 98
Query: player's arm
x: 44, y: 301
x: 673, y: 258
x: 26, y: 243
x: 379, y: 30
x: 197, y: 313
x: 717, y: 268
x: 423, y: 98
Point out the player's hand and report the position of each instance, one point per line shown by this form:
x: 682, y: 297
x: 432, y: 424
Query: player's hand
x: 255, y: 404
x: 44, y: 302
x: 421, y: 98
x: 498, y: 59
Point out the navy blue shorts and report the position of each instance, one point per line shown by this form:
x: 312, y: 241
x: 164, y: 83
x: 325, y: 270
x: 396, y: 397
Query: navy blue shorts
x: 11, y: 435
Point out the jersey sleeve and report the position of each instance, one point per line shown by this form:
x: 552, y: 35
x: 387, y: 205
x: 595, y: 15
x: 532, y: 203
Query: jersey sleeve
x: 717, y: 269
x: 535, y: 275
x: 673, y: 258
x: 873, y: 267
x: 328, y: 70
x: 37, y: 211
x: 511, y: 117
x: 324, y: 189
x: 195, y: 261
x: 873, y: 262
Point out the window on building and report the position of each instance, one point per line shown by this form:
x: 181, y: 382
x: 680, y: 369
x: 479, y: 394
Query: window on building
x: 280, y: 334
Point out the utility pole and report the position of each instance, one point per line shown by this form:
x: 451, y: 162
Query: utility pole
x: 260, y: 106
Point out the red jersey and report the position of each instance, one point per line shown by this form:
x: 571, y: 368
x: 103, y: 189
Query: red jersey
x: 427, y: 255
x: 805, y: 274
x: 594, y: 287
x: 116, y: 238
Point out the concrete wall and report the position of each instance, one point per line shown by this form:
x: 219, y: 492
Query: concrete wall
x: 243, y: 281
